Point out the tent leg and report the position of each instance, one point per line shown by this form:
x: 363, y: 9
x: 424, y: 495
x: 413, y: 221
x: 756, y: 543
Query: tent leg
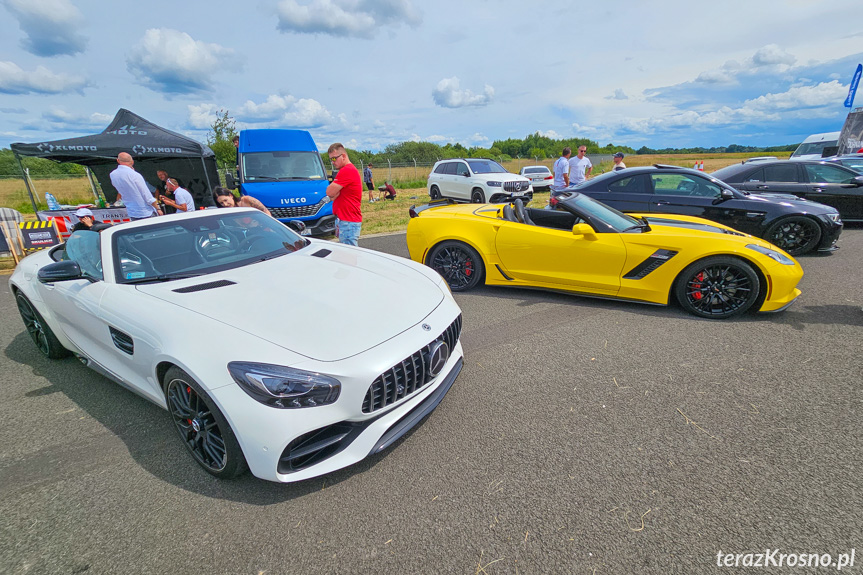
x: 92, y: 184
x: 27, y: 183
x: 207, y: 178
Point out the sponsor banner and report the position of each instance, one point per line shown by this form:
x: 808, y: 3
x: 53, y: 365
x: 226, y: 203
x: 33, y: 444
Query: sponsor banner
x: 851, y: 137
x: 37, y: 235
x: 852, y: 89
x: 66, y: 219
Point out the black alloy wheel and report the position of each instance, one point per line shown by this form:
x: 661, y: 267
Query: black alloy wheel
x: 477, y: 197
x: 796, y: 235
x: 434, y: 193
x: 202, y: 427
x: 39, y: 331
x: 717, y: 287
x: 458, y: 264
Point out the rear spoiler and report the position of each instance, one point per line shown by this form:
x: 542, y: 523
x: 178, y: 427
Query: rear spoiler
x: 414, y: 211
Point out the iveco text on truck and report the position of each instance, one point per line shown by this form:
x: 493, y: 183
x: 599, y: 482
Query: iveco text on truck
x: 283, y: 169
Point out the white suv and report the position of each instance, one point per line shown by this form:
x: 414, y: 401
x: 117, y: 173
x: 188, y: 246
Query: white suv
x: 476, y: 180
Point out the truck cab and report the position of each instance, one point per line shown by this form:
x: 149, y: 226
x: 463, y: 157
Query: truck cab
x: 283, y: 169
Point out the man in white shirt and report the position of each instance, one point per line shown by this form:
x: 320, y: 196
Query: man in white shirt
x: 182, y: 198
x: 561, y: 169
x: 618, y: 162
x: 579, y: 167
x: 133, y: 190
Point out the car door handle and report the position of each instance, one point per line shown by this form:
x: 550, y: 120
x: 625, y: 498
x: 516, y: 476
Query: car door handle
x: 662, y: 203
x: 762, y: 187
x: 817, y: 189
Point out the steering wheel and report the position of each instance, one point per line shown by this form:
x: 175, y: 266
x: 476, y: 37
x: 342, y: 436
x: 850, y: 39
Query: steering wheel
x: 519, y: 210
x: 246, y: 244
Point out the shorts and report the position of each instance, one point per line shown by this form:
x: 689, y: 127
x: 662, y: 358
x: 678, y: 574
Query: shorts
x: 370, y: 185
x: 348, y: 232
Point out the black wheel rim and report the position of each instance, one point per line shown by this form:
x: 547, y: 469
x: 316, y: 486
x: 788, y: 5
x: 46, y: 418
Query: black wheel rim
x: 455, y: 265
x: 719, y: 290
x: 477, y: 198
x: 791, y: 236
x: 34, y: 325
x: 196, y: 425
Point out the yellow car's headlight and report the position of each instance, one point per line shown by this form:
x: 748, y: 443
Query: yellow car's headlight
x: 772, y: 254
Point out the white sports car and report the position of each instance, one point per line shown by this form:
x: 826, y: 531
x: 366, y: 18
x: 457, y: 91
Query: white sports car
x: 291, y: 356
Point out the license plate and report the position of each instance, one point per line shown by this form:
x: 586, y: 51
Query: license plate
x: 536, y: 179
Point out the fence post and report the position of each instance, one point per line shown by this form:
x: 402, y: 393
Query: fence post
x: 416, y: 176
x: 390, y: 169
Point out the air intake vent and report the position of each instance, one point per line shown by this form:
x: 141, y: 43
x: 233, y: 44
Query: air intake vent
x: 322, y: 253
x: 122, y: 341
x: 206, y: 286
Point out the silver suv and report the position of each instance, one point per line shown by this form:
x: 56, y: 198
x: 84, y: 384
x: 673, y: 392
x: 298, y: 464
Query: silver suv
x: 476, y: 180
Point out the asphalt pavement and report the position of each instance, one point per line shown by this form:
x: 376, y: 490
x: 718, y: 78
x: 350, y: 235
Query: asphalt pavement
x: 583, y: 436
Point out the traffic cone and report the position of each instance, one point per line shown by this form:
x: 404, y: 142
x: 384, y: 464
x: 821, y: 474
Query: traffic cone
x: 701, y: 166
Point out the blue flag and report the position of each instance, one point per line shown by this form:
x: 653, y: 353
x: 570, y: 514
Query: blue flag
x: 852, y: 90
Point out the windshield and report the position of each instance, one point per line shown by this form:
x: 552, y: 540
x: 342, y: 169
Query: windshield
x: 581, y: 205
x: 83, y: 248
x: 228, y: 239
x: 536, y: 171
x: 486, y: 167
x: 281, y: 166
x: 813, y: 148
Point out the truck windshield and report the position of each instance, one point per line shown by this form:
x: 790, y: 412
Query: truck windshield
x: 278, y: 166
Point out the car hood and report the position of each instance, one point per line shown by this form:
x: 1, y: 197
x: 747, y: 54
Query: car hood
x: 325, y: 306
x: 802, y: 204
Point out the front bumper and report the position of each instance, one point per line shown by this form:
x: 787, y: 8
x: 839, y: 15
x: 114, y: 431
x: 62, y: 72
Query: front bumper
x: 341, y: 434
x: 830, y: 233
x: 506, y: 197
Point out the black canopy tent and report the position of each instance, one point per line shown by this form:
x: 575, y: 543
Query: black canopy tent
x: 153, y: 148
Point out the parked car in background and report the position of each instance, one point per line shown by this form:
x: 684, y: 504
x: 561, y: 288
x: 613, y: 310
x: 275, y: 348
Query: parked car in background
x: 797, y: 226
x: 539, y: 176
x: 476, y: 180
x: 853, y: 161
x: 225, y: 319
x: 828, y: 183
x: 816, y: 146
x: 584, y: 247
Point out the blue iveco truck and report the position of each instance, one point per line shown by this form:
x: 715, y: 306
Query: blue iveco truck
x: 283, y: 169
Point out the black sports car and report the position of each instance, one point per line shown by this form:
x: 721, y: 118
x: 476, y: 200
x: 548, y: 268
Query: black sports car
x: 825, y: 182
x: 795, y: 225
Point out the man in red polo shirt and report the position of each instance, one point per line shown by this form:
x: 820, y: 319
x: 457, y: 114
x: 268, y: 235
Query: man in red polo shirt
x: 346, y: 192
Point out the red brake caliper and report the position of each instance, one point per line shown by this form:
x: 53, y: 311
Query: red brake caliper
x: 697, y: 286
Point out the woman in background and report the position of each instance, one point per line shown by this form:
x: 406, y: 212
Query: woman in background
x: 226, y: 199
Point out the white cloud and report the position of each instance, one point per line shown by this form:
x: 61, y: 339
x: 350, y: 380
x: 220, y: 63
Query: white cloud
x: 61, y: 118
x: 14, y: 80
x: 50, y: 26
x: 767, y: 58
x: 448, y: 94
x: 170, y: 61
x: 202, y: 117
x: 288, y: 111
x: 772, y: 55
x: 551, y: 134
x: 619, y: 94
x: 359, y: 19
x: 478, y: 138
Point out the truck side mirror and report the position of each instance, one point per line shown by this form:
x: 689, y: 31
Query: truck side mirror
x: 230, y: 183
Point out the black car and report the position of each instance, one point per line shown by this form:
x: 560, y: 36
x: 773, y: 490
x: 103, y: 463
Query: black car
x: 853, y: 161
x: 825, y: 182
x: 795, y: 225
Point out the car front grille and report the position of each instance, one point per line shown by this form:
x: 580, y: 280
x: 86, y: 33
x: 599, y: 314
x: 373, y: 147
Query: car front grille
x: 409, y: 376
x: 516, y: 186
x: 297, y: 211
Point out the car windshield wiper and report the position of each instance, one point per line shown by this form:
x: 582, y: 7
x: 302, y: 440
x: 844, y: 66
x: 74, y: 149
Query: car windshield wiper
x: 266, y: 178
x: 640, y: 225
x: 165, y: 278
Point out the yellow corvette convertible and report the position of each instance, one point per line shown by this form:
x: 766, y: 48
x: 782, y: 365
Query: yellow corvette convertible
x: 587, y: 248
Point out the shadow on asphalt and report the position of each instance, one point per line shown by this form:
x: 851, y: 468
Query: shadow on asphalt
x: 148, y: 433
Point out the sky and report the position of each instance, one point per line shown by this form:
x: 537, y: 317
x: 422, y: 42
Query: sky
x: 369, y: 73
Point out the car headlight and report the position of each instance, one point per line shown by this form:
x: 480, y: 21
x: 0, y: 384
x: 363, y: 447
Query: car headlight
x: 833, y: 218
x: 772, y: 254
x: 494, y: 184
x: 284, y: 387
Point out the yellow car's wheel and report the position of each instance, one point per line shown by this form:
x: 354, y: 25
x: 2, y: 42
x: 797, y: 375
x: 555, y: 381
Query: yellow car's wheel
x: 458, y: 263
x: 717, y: 287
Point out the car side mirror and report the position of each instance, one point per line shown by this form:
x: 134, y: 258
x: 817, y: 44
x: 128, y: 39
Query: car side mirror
x: 858, y: 181
x: 724, y: 195
x: 230, y: 182
x: 60, y: 272
x: 297, y: 226
x: 466, y: 174
x: 584, y: 230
